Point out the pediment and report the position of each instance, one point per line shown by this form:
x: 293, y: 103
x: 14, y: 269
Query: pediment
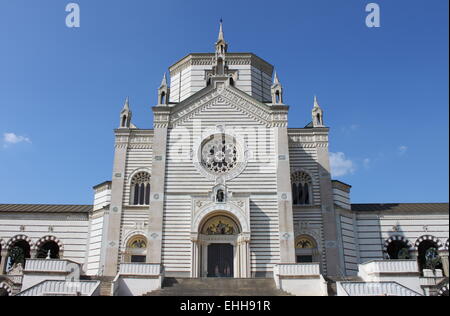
x: 260, y: 112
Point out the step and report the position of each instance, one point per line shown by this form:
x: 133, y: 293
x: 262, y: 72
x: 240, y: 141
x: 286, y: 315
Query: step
x: 218, y: 287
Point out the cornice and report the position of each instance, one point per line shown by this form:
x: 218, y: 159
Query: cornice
x: 207, y: 59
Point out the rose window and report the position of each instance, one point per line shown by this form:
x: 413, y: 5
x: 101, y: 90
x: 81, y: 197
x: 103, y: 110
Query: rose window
x: 220, y: 154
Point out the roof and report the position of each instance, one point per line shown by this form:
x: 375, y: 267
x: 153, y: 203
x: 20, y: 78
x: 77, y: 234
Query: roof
x: 44, y: 208
x: 402, y: 207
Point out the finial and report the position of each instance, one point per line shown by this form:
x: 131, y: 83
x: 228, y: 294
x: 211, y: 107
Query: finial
x: 164, y: 81
x: 316, y: 102
x: 126, y: 106
x: 275, y: 79
x: 221, y: 35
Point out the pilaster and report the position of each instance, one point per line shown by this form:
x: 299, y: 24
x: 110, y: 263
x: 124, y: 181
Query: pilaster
x: 110, y: 261
x: 286, y: 218
x: 158, y: 179
x: 3, y: 261
x: 333, y: 256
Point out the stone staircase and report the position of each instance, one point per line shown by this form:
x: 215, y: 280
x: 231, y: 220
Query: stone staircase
x: 331, y: 283
x: 106, y: 284
x: 218, y: 287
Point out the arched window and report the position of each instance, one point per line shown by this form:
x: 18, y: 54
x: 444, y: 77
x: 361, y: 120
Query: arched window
x: 136, y: 251
x: 124, y: 121
x: 140, y: 189
x: 301, y: 188
x: 163, y: 98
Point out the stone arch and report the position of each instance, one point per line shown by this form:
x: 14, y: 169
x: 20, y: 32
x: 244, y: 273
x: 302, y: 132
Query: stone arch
x: 443, y: 291
x: 304, y: 178
x: 397, y: 238
x: 309, y: 172
x: 306, y: 249
x: 135, y: 247
x: 227, y: 225
x: 6, y: 287
x: 429, y: 238
x: 18, y: 238
x: 394, y: 241
x: 139, y: 185
x: 422, y: 246
x: 132, y: 234
x: 216, y: 209
x: 50, y: 239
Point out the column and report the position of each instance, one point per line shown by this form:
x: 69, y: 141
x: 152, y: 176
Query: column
x: 3, y: 262
x: 445, y: 264
x: 195, y: 262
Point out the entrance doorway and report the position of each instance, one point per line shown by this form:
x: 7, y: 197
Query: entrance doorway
x: 220, y: 261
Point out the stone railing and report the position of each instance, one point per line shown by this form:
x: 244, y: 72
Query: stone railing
x: 140, y: 269
x: 36, y: 265
x: 389, y: 266
x: 63, y: 288
x: 15, y: 279
x: 302, y: 279
x: 373, y: 289
x: 292, y: 270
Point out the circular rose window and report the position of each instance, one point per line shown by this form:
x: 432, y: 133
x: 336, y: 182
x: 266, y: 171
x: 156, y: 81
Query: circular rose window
x: 219, y: 154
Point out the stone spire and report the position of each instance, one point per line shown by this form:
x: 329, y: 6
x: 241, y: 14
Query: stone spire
x: 125, y: 115
x: 277, y: 90
x: 164, y: 81
x: 126, y: 106
x: 163, y: 92
x: 221, y: 44
x: 317, y: 114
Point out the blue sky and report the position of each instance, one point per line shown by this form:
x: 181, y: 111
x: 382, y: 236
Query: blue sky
x: 384, y: 90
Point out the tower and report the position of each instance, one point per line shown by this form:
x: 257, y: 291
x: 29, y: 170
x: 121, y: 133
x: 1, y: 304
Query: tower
x: 220, y: 67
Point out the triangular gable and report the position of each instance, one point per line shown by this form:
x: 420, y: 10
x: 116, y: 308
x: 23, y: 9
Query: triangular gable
x: 260, y: 112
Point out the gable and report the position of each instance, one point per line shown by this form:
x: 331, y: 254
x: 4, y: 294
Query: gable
x: 227, y: 98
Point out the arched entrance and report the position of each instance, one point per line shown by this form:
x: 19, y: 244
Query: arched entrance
x: 306, y: 249
x: 136, y: 250
x: 220, y: 232
x: 220, y: 249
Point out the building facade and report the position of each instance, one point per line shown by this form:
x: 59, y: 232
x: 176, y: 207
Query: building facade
x: 222, y: 187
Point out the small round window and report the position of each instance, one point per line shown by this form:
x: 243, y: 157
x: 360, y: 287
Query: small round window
x: 219, y: 154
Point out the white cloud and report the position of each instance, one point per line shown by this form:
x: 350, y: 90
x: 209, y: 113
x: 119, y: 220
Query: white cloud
x: 11, y: 139
x: 366, y: 162
x: 340, y: 165
x: 402, y: 150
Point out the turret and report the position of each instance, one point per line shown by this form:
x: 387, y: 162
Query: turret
x: 163, y: 92
x: 317, y: 114
x: 277, y: 91
x: 125, y: 115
